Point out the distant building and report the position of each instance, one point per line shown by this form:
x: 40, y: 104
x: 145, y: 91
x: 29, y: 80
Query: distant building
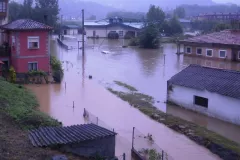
x: 101, y: 29
x: 27, y: 47
x: 70, y: 29
x: 223, y: 45
x: 218, y: 16
x: 210, y: 91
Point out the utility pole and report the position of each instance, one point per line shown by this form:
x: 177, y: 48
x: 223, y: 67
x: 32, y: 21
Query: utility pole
x: 83, y: 47
x: 61, y: 27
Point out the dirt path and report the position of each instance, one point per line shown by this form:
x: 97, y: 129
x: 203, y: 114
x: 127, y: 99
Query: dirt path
x: 15, y: 145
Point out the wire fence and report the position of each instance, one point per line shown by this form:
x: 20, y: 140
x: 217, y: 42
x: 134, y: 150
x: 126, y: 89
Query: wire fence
x: 146, y: 148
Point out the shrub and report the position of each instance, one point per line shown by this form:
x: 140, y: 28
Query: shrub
x: 13, y: 75
x: 57, y: 69
x: 134, y: 42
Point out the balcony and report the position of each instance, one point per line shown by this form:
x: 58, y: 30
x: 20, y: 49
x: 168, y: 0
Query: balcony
x: 5, y: 51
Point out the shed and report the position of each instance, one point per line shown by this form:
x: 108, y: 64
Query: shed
x: 71, y: 29
x: 211, y: 91
x: 87, y: 140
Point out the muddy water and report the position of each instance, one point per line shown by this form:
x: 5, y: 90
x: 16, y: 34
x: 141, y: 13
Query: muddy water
x: 144, y: 69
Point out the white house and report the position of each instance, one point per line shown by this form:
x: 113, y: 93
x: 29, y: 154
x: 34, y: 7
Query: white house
x: 210, y: 91
x: 70, y: 29
x: 101, y: 29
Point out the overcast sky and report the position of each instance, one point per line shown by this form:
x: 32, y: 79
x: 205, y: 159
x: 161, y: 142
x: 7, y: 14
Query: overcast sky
x: 226, y: 1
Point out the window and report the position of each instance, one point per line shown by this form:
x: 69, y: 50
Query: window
x: 33, y: 42
x: 199, y: 51
x: 222, y: 54
x: 120, y: 33
x: 200, y: 101
x: 209, y: 53
x: 32, y: 66
x: 3, y: 7
x: 239, y: 55
x: 189, y: 49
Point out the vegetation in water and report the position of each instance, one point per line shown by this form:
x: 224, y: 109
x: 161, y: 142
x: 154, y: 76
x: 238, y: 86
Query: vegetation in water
x: 57, y: 69
x: 20, y: 104
x: 216, y: 143
x: 131, y: 88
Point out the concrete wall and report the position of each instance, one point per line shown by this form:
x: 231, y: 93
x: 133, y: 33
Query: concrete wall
x: 221, y: 107
x: 104, y: 147
x: 204, y: 52
x: 102, y: 32
x: 21, y: 55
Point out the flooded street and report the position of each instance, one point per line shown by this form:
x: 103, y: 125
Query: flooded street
x: 146, y: 70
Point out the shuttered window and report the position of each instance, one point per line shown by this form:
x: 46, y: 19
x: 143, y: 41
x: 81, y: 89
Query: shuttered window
x: 33, y: 42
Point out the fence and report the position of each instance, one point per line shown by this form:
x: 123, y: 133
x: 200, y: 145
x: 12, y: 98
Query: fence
x: 144, y: 147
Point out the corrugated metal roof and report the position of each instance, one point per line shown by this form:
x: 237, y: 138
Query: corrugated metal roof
x: 224, y: 82
x: 50, y: 136
x: 25, y: 24
x: 105, y: 23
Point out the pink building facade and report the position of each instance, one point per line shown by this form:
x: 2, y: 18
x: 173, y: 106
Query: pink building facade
x: 30, y: 45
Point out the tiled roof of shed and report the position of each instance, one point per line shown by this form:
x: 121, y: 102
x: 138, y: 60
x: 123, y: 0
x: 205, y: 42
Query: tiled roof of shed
x: 224, y: 82
x: 50, y: 136
x: 230, y: 37
x: 25, y: 24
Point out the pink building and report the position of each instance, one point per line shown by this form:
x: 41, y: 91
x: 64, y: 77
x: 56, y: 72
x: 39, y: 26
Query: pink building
x: 224, y: 45
x: 29, y: 46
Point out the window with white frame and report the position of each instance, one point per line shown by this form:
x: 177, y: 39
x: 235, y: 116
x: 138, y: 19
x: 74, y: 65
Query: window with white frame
x: 33, y: 42
x: 222, y: 54
x: 120, y: 33
x: 209, y: 52
x: 189, y: 50
x: 32, y: 66
x: 199, y: 51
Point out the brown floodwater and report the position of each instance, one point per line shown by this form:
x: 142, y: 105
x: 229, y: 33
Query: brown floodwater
x: 146, y: 70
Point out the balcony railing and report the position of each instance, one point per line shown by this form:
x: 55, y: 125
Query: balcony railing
x: 5, y: 51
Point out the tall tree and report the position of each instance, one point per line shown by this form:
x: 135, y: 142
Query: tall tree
x: 175, y: 26
x: 149, y: 36
x: 15, y: 11
x: 179, y: 12
x: 155, y: 14
x: 47, y: 11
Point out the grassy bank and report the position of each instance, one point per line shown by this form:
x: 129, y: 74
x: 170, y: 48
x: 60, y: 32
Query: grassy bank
x: 20, y: 104
x: 225, y: 148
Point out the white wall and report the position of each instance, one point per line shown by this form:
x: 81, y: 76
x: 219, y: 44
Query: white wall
x: 72, y: 31
x: 221, y: 107
x: 103, y: 32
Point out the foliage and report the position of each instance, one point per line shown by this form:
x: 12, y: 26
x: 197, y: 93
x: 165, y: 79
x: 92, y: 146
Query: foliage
x: 194, y: 10
x: 127, y: 16
x: 155, y: 15
x: 179, y: 12
x: 37, y: 73
x: 221, y: 26
x: 175, y: 26
x: 45, y: 11
x: 57, y: 70
x: 134, y: 42
x: 21, y: 105
x: 149, y: 37
x: 131, y: 88
x: 205, y: 26
x: 92, y: 17
x: 13, y: 75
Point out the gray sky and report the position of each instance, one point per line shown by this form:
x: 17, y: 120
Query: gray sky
x: 227, y: 1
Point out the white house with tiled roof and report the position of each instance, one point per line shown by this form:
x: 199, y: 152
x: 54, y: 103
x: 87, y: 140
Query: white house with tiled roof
x: 210, y: 91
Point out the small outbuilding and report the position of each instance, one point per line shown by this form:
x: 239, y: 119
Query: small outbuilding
x: 87, y: 140
x: 210, y: 91
x: 71, y: 29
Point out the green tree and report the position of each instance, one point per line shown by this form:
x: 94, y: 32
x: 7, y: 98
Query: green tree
x: 27, y: 10
x: 15, y: 11
x: 46, y: 11
x: 221, y: 26
x: 149, y: 36
x: 155, y: 15
x: 179, y: 12
x: 175, y: 26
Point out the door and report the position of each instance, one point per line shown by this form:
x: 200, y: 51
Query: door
x: 234, y: 55
x: 94, y: 33
x: 65, y: 32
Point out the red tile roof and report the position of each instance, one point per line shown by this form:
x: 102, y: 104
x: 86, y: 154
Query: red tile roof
x: 229, y: 37
x: 25, y: 24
